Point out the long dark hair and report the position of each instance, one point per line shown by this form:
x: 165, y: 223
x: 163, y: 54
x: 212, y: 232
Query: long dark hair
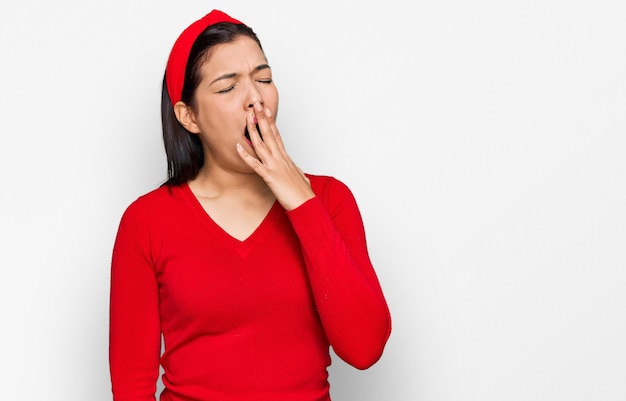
x: 184, y: 151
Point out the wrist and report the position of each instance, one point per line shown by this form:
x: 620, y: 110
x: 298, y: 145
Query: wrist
x: 297, y: 201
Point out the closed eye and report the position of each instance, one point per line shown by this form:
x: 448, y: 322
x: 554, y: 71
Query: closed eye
x: 230, y: 88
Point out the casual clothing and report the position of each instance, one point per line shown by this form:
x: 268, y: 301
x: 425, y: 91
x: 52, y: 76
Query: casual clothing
x: 247, y: 320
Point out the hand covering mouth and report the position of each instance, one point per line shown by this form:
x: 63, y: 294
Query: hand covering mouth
x: 247, y: 134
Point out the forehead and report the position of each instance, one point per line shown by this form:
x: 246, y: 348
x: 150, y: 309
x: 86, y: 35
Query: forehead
x: 241, y: 55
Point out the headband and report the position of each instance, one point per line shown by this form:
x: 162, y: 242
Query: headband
x: 177, y: 62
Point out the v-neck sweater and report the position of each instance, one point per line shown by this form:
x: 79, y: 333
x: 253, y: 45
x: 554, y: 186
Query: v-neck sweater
x: 241, y: 320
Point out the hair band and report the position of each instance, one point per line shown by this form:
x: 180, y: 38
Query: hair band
x: 177, y: 62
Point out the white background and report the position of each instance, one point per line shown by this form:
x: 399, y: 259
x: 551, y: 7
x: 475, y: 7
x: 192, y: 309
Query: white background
x: 484, y: 141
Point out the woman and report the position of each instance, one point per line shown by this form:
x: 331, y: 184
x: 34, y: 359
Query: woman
x: 249, y: 268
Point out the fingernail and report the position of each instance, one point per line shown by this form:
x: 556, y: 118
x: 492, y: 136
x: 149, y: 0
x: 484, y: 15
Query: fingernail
x: 258, y: 106
x: 268, y: 112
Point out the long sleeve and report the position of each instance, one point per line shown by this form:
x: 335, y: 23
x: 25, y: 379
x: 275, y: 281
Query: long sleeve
x: 134, y: 342
x: 345, y: 287
x: 241, y: 320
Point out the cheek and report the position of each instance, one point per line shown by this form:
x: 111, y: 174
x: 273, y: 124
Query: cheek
x: 218, y: 115
x: 272, y: 100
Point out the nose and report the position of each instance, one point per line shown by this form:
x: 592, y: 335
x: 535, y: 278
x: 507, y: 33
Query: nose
x: 254, y: 96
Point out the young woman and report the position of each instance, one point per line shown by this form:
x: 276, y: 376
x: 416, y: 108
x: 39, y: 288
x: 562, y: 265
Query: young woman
x: 247, y: 268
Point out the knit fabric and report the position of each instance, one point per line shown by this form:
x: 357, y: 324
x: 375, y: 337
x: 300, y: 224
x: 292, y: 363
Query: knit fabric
x: 241, y: 320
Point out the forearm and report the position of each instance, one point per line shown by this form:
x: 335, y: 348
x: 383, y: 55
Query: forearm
x: 347, y: 293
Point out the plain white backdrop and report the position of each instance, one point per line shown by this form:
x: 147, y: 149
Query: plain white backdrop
x: 484, y: 142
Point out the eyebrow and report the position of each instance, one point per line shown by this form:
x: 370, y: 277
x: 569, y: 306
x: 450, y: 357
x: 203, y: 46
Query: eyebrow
x: 233, y: 74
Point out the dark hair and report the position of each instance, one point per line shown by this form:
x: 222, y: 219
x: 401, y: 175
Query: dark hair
x: 183, y: 149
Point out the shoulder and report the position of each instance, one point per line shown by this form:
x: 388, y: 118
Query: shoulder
x: 325, y: 184
x: 151, y: 199
x: 331, y: 191
x: 153, y: 202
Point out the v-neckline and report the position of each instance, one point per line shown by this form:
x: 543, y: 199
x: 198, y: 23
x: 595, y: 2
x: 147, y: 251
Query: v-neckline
x: 197, y: 205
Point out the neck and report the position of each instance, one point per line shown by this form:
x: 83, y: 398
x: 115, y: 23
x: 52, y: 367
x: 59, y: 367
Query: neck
x: 214, y: 182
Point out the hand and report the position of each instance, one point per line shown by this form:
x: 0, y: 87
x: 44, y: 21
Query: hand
x: 288, y: 183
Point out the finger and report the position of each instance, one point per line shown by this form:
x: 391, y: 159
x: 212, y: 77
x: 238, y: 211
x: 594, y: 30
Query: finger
x: 276, y: 134
x: 255, y: 137
x: 262, y: 115
x: 251, y: 161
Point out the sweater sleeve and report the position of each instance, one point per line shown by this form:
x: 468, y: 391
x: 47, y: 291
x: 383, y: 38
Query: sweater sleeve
x: 347, y: 293
x: 134, y: 336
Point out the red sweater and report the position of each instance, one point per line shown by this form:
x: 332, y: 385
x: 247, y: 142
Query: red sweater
x: 241, y: 320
